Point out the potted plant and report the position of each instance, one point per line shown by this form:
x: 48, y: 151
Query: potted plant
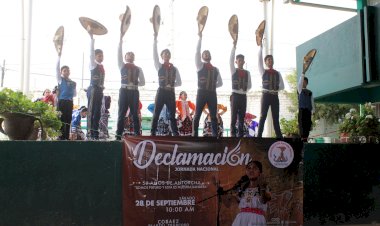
x: 289, y: 127
x: 20, y: 114
x: 361, y: 127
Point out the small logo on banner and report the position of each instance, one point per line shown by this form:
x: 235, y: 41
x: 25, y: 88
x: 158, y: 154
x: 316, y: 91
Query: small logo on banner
x: 280, y: 154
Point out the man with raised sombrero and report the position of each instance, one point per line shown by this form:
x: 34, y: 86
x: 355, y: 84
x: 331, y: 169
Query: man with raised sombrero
x: 272, y: 82
x: 95, y: 90
x: 132, y: 77
x: 168, y: 79
x: 241, y: 84
x: 208, y: 80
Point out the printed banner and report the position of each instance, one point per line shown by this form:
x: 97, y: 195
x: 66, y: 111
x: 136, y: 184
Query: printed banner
x: 186, y: 181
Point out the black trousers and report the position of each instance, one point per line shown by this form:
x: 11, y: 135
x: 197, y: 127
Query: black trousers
x: 206, y: 97
x: 66, y: 108
x: 238, y: 109
x: 304, y: 122
x: 95, y: 98
x: 128, y: 99
x: 167, y: 97
x: 270, y: 100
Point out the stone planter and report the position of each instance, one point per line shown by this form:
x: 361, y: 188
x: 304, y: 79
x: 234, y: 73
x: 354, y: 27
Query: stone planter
x: 17, y: 126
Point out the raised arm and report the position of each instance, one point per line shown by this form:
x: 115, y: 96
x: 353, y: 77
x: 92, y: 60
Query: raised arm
x: 198, y: 57
x: 300, y: 84
x: 260, y: 61
x: 92, y: 53
x: 155, y: 54
x: 232, y: 60
x: 58, y: 70
x: 120, y: 61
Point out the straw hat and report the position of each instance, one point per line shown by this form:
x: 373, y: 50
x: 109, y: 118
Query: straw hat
x: 202, y: 18
x: 308, y: 58
x: 125, y: 20
x: 58, y: 39
x: 96, y: 28
x: 233, y: 27
x: 260, y: 33
x: 156, y: 19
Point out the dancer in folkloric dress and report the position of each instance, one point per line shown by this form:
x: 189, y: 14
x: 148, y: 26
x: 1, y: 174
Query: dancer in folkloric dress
x: 253, y: 196
x: 185, y: 111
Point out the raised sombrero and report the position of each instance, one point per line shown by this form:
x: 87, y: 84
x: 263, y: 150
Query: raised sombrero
x: 260, y: 33
x: 202, y: 18
x: 125, y: 20
x: 96, y: 28
x: 58, y: 39
x: 233, y: 27
x: 308, y: 58
x: 156, y: 19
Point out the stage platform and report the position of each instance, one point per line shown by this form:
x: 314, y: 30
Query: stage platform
x: 81, y: 183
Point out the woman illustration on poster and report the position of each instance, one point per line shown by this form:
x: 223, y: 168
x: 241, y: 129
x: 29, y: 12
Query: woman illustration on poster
x: 252, y: 195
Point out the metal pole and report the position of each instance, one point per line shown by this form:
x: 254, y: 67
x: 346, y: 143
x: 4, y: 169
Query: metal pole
x: 2, y: 73
x: 28, y: 48
x: 22, y: 45
x: 268, y: 127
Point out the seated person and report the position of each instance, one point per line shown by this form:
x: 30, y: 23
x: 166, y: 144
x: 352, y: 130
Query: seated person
x: 76, y: 129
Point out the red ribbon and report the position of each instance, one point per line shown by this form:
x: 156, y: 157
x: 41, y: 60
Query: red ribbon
x: 168, y: 66
x: 209, y: 66
x: 252, y: 210
x: 130, y: 66
x: 241, y: 73
x: 101, y: 69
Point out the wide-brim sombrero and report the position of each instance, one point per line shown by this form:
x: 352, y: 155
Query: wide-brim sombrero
x: 308, y: 58
x: 96, y: 28
x: 233, y: 27
x: 125, y: 20
x: 260, y: 33
x: 58, y: 39
x: 249, y: 116
x: 202, y: 18
x: 156, y: 19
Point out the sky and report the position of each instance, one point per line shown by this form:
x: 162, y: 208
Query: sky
x: 293, y: 25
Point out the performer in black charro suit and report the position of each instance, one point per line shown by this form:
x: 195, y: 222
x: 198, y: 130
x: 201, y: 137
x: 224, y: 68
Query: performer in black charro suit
x: 272, y: 83
x: 168, y: 78
x: 241, y: 84
x: 208, y: 80
x: 132, y: 76
x: 95, y: 90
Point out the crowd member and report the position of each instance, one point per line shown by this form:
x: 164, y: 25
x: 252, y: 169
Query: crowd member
x: 95, y: 90
x: 241, y: 84
x: 76, y: 128
x: 54, y: 92
x: 47, y: 97
x: 132, y: 77
x: 163, y: 123
x: 207, y: 127
x: 67, y: 91
x: 305, y: 108
x: 272, y: 82
x: 168, y: 78
x: 104, y: 117
x: 250, y: 125
x: 208, y: 80
x: 185, y: 111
